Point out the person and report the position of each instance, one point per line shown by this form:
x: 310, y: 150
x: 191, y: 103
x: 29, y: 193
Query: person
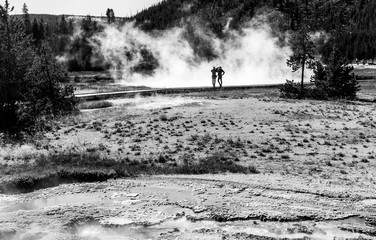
x: 214, y: 76
x: 220, y: 73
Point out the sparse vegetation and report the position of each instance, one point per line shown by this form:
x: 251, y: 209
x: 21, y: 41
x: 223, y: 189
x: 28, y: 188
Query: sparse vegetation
x: 54, y: 169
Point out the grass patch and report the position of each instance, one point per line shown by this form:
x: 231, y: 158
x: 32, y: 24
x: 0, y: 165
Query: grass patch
x: 164, y: 117
x: 216, y: 163
x: 235, y: 144
x: 54, y: 169
x: 95, y: 105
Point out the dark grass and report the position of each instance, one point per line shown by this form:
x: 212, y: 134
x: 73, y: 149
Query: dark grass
x: 56, y: 169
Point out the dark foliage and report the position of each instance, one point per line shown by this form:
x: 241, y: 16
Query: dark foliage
x: 290, y: 89
x: 335, y: 80
x: 30, y: 91
x: 47, y: 97
x: 80, y: 52
x: 360, y: 42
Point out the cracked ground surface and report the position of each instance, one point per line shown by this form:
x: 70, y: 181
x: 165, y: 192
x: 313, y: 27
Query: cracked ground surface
x: 230, y: 206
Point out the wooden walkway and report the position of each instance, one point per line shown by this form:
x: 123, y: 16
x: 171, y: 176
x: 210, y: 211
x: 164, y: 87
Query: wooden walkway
x: 162, y: 91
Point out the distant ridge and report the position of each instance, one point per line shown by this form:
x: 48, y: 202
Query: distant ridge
x: 53, y: 19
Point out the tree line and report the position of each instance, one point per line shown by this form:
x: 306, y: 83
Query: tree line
x: 61, y: 34
x: 31, y: 93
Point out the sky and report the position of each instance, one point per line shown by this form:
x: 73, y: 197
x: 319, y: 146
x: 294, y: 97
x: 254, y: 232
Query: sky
x: 122, y: 8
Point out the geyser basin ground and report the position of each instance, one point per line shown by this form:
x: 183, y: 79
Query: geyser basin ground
x: 185, y: 207
x: 315, y: 160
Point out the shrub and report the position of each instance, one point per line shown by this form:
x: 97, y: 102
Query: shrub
x: 164, y: 118
x: 290, y: 89
x: 335, y: 80
x: 193, y: 137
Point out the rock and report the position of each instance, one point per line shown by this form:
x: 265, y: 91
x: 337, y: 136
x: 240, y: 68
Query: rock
x: 132, y: 195
x: 116, y: 221
x: 199, y: 209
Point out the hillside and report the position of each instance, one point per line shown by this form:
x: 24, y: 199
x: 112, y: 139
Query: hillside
x: 351, y: 23
x: 357, y: 42
x: 170, y: 13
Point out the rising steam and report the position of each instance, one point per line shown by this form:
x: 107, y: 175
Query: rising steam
x: 250, y: 56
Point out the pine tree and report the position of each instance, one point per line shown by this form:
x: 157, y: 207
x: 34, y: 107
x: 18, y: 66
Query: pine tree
x: 49, y: 98
x: 15, y: 56
x: 301, y: 43
x: 335, y: 80
x: 42, y: 33
x: 63, y: 26
x: 30, y: 92
x: 36, y: 32
x: 27, y: 23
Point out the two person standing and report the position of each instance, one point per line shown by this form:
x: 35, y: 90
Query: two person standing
x: 217, y: 72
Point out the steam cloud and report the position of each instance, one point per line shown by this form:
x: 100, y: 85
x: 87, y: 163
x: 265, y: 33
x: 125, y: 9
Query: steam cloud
x: 250, y: 56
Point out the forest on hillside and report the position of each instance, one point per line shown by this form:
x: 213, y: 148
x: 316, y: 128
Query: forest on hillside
x: 358, y: 35
x: 349, y: 24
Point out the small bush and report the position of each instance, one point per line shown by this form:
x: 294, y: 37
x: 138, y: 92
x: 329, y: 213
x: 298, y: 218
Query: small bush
x: 285, y: 157
x: 235, y: 144
x: 162, y: 158
x: 193, y: 137
x: 207, y: 138
x: 290, y: 89
x: 164, y: 117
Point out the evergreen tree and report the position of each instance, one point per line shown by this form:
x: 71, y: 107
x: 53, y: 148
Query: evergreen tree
x: 335, y: 80
x: 41, y: 30
x: 30, y: 92
x: 70, y: 27
x: 36, y: 32
x: 63, y: 26
x: 27, y: 23
x: 301, y: 43
x: 48, y: 99
x: 15, y: 57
